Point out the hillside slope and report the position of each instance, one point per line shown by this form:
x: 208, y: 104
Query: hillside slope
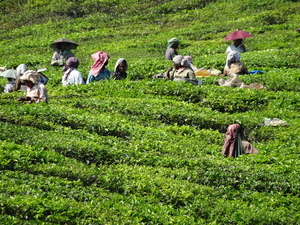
x: 142, y: 150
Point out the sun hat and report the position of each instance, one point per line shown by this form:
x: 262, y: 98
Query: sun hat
x: 30, y: 75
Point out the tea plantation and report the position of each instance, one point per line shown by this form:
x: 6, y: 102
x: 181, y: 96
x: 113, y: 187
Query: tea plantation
x: 143, y: 150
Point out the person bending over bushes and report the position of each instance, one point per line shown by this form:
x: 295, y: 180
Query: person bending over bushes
x: 36, y: 91
x: 233, y: 145
x: 21, y: 69
x: 181, y: 71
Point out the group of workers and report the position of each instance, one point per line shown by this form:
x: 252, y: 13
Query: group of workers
x: 183, y: 69
x: 233, y: 63
x: 34, y: 81
x: 64, y: 57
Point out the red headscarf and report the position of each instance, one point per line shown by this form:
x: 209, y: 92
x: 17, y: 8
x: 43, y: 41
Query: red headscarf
x: 100, y: 58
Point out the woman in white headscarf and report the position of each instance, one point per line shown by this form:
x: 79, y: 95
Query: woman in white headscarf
x: 119, y: 72
x: 234, y: 65
x: 21, y: 69
x: 36, y: 91
x: 181, y: 70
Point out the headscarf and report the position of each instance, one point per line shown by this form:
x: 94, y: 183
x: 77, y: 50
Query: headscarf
x: 232, y: 58
x: 190, y: 61
x: 71, y: 63
x: 172, y: 41
x: 21, y: 69
x: 233, y: 143
x: 179, y: 59
x: 188, y: 58
x: 100, y: 58
x: 30, y: 75
x: 119, y: 61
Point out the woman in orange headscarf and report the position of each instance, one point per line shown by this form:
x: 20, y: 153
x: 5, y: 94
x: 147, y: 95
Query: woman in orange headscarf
x: 98, y: 70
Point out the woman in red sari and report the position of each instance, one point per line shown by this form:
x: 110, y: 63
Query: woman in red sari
x: 233, y: 145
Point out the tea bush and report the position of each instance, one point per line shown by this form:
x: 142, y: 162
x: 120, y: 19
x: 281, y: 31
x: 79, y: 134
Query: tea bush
x: 143, y: 150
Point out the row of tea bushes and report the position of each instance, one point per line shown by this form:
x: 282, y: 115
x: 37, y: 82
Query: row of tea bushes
x: 145, y: 151
x: 55, y: 189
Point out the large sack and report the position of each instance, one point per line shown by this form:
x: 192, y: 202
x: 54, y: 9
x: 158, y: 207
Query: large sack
x: 233, y: 81
x: 257, y: 86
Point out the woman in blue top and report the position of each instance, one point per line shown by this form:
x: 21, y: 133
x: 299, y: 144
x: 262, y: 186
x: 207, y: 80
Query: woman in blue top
x: 98, y: 70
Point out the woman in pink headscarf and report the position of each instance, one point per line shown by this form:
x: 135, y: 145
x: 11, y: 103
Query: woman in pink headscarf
x: 98, y: 70
x: 233, y: 145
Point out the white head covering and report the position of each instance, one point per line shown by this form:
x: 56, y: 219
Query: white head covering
x: 190, y: 62
x: 189, y: 59
x: 21, y: 69
x: 119, y: 61
x: 179, y: 59
x: 31, y: 75
x: 232, y: 57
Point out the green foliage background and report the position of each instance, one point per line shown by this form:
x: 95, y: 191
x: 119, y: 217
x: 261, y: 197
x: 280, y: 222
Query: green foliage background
x: 143, y: 151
